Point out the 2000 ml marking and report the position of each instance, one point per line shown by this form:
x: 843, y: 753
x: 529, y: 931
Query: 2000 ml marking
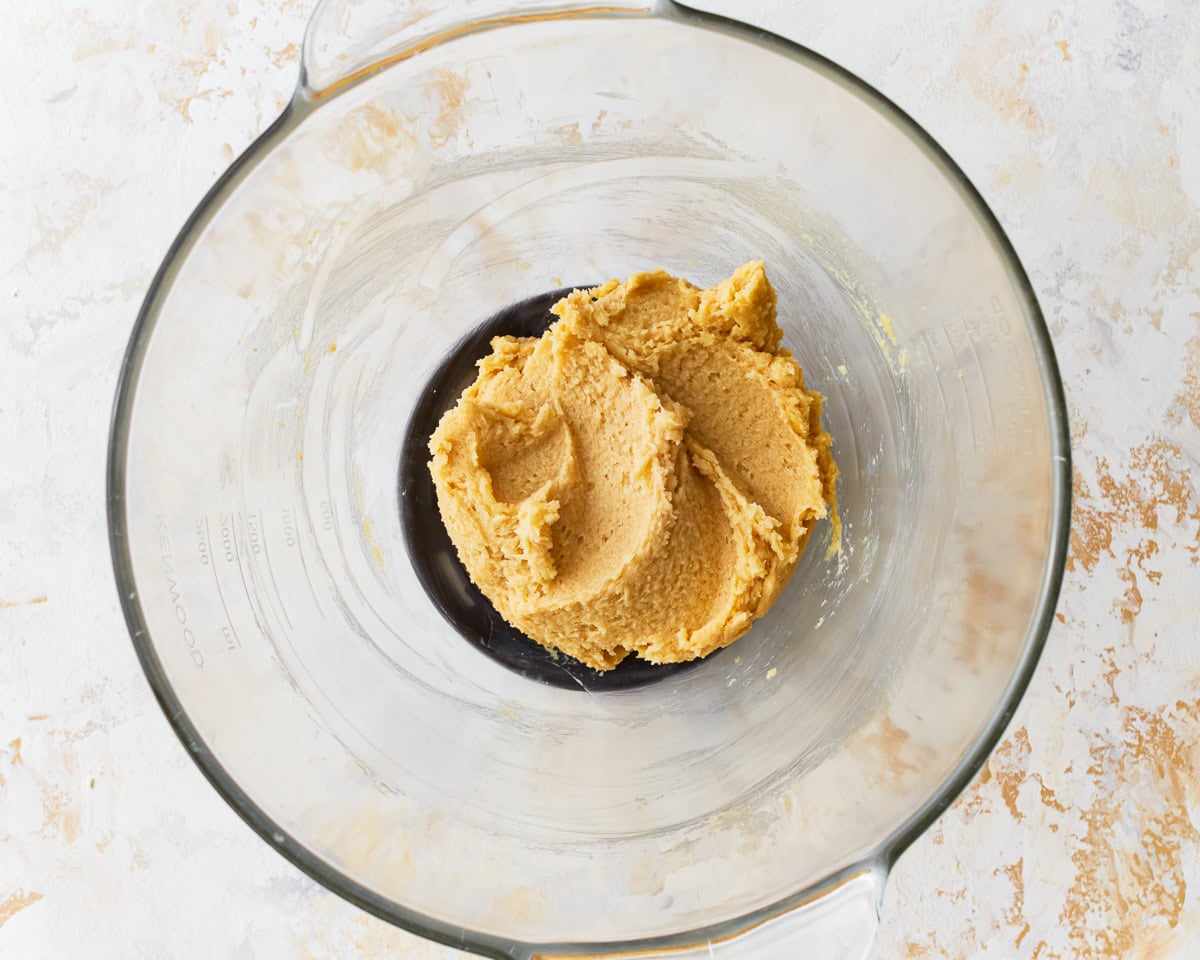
x: 175, y: 594
x: 223, y: 547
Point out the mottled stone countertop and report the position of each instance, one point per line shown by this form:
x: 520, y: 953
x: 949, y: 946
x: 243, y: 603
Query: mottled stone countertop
x: 1080, y: 123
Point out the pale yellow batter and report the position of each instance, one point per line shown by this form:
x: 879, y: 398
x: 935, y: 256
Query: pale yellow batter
x: 642, y: 478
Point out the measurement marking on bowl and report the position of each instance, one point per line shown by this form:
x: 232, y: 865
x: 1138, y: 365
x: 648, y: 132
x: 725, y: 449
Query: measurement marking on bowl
x: 241, y: 566
x: 971, y: 336
x: 175, y: 593
x: 217, y: 583
x: 1017, y: 432
x: 271, y: 573
x: 963, y: 384
x: 253, y: 533
x: 927, y: 343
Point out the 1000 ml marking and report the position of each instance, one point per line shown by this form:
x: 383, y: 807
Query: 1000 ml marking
x: 174, y: 594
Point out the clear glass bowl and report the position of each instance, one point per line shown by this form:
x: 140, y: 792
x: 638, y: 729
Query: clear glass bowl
x: 433, y: 166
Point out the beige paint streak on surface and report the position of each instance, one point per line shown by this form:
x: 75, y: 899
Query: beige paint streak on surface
x: 334, y: 934
x: 991, y: 68
x: 1188, y: 399
x: 985, y: 595
x: 375, y: 138
x: 517, y: 906
x: 1005, y: 784
x: 447, y: 89
x: 1156, y: 485
x: 60, y: 815
x: 1138, y: 839
x: 1014, y: 914
x: 58, y: 223
x: 6, y: 604
x: 888, y: 743
x: 17, y: 902
x: 1010, y: 766
x: 285, y: 55
x: 570, y: 133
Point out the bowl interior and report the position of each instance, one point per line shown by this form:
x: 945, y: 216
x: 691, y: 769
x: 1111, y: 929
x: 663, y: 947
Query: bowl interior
x: 269, y: 390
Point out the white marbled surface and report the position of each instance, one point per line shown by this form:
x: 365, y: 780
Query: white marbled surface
x: 1080, y: 123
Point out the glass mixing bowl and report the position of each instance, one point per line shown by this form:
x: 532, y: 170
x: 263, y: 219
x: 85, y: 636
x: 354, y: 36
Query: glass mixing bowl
x: 435, y: 165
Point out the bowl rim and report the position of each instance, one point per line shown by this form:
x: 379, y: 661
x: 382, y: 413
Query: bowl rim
x: 882, y: 858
